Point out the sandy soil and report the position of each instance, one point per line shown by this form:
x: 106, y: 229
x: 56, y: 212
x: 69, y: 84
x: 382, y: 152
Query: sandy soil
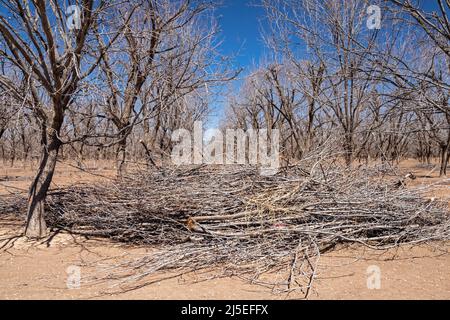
x: 37, y: 271
x: 17, y: 179
x: 30, y: 270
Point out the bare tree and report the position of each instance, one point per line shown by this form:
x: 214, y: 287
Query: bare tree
x: 166, y: 53
x: 51, y: 57
x: 335, y: 36
x: 5, y: 113
x: 436, y: 24
x: 421, y: 68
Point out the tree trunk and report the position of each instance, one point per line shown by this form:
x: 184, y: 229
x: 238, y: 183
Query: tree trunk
x: 121, y: 157
x: 445, y: 153
x: 348, y: 149
x: 150, y: 161
x: 36, y: 226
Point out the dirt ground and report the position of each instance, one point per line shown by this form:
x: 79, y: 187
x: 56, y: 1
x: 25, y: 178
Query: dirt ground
x: 30, y: 270
x: 16, y: 179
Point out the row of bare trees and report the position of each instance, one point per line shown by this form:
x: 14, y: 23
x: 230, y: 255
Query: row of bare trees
x: 99, y: 79
x: 384, y: 92
x: 86, y: 81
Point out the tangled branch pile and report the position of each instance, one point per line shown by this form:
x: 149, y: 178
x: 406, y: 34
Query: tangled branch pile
x: 245, y: 224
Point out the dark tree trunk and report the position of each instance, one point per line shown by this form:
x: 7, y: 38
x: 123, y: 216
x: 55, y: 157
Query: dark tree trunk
x: 36, y: 226
x: 348, y: 149
x: 445, y: 153
x: 150, y: 161
x: 121, y: 157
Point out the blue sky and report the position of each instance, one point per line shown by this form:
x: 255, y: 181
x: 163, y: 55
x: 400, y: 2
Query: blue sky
x: 240, y: 21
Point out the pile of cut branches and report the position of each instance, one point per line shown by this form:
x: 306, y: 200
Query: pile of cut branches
x: 245, y: 224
